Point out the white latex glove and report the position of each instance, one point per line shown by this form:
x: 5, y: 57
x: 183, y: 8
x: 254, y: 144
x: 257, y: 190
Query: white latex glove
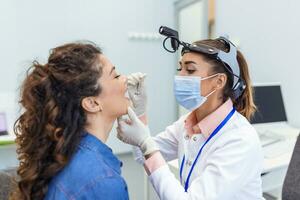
x: 137, y: 92
x: 136, y: 133
x: 138, y: 155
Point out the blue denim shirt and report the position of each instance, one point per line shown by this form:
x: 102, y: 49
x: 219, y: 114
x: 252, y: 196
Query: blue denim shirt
x: 94, y: 172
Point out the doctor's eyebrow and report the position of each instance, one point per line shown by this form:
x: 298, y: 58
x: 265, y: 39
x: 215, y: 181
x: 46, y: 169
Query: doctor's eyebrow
x: 112, y: 69
x: 187, y: 62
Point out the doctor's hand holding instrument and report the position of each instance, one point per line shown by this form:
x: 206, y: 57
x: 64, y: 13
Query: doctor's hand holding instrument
x: 218, y: 151
x: 137, y: 92
x: 138, y: 96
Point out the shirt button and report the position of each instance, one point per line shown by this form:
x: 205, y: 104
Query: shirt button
x: 186, y: 137
x: 195, y: 138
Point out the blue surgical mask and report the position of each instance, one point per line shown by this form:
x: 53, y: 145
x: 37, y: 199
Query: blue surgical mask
x: 187, y: 91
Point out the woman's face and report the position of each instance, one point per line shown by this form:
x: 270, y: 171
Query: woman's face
x: 193, y: 64
x: 114, y: 86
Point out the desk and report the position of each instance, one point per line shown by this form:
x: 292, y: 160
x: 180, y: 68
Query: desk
x: 271, y: 164
x: 6, y: 139
x: 8, y: 155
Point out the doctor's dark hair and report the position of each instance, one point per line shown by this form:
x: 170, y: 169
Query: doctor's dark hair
x: 52, y: 122
x: 245, y: 103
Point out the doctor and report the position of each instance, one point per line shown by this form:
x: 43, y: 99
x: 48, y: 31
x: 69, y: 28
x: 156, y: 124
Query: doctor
x: 218, y: 150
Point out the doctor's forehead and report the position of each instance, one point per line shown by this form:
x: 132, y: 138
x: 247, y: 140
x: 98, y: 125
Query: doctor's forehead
x: 191, y: 58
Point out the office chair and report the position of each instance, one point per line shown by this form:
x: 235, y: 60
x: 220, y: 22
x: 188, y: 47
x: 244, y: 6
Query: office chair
x: 291, y: 185
x: 6, y: 183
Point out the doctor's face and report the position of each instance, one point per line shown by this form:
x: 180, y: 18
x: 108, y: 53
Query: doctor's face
x: 114, y: 86
x: 193, y: 64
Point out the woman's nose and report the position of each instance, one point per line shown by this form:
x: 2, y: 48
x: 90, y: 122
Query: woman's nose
x: 125, y: 79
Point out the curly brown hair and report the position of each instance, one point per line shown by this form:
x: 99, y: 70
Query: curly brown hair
x: 51, y: 126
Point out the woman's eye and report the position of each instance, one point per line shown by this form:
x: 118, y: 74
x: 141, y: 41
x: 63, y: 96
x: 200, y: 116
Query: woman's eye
x: 117, y: 76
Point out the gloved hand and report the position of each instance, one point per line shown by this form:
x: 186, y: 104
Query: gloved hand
x: 136, y: 133
x: 138, y: 155
x: 137, y: 92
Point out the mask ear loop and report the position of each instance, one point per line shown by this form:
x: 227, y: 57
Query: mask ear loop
x: 211, y: 76
x: 210, y: 93
x: 214, y: 75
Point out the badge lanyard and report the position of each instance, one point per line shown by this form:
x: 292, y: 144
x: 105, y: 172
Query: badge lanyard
x: 186, y: 185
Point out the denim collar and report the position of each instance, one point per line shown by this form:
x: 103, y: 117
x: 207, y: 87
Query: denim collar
x: 89, y: 141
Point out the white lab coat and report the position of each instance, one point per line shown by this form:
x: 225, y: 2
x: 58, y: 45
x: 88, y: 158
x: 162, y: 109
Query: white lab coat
x: 229, y: 167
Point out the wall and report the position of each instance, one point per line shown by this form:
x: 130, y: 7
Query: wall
x: 268, y: 33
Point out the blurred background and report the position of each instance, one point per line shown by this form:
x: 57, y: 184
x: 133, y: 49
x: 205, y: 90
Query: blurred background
x: 267, y: 32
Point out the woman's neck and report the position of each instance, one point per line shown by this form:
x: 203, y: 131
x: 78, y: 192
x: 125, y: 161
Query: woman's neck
x: 207, y: 108
x: 100, y: 127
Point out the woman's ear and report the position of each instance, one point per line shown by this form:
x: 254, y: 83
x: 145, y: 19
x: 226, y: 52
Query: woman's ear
x: 91, y: 104
x: 221, y: 81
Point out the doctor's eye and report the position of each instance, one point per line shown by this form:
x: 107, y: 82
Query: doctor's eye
x: 117, y: 76
x: 190, y: 71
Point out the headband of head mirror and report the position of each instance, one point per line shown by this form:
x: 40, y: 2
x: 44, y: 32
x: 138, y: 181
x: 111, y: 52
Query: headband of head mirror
x: 228, y: 59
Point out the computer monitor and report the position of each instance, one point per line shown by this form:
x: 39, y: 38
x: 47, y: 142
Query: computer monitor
x: 269, y: 102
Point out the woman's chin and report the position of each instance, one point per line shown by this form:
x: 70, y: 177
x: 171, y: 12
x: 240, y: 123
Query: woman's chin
x: 128, y: 103
x: 125, y: 108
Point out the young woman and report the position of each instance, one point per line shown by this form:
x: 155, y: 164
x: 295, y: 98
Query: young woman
x: 218, y: 150
x: 70, y: 104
